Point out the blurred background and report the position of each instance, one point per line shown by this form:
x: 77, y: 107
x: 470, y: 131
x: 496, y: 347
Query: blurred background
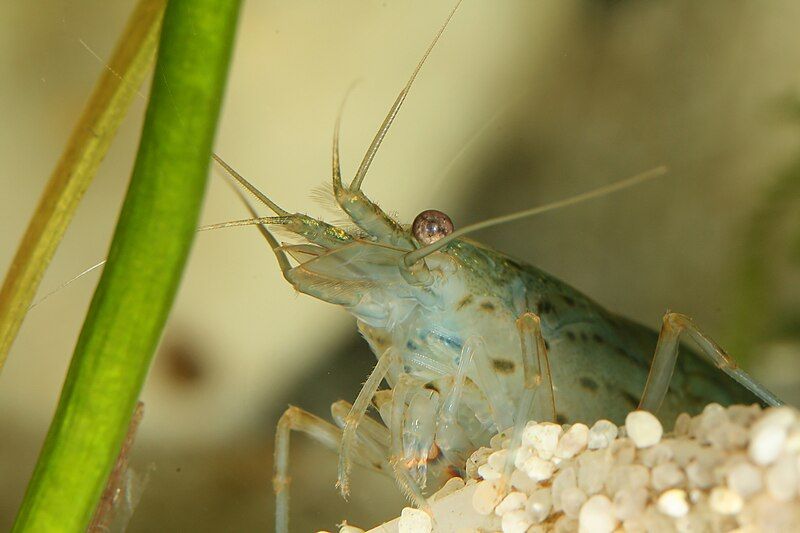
x: 521, y: 103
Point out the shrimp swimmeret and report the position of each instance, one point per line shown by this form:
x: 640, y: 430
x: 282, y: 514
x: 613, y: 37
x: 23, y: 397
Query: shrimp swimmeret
x: 471, y: 342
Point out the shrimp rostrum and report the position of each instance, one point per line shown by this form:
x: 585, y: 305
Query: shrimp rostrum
x: 471, y: 342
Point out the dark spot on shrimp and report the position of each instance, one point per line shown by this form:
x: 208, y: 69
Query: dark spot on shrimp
x: 569, y: 301
x: 588, y: 384
x: 411, y: 345
x: 431, y: 386
x: 465, y: 301
x: 570, y: 335
x: 487, y: 306
x: 504, y: 366
x: 561, y: 418
x: 630, y: 398
x: 598, y: 339
x: 380, y: 341
x: 544, y: 307
x: 632, y: 358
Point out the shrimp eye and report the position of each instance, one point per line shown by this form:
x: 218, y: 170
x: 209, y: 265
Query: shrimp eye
x: 431, y: 225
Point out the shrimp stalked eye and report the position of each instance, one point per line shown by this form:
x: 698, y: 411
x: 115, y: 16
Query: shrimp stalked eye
x: 431, y: 225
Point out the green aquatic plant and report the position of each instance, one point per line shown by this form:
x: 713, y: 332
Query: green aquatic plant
x: 148, y: 252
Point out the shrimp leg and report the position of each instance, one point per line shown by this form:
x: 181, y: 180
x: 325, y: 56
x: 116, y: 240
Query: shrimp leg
x: 356, y: 414
x: 537, y: 384
x: 371, y: 454
x: 666, y: 354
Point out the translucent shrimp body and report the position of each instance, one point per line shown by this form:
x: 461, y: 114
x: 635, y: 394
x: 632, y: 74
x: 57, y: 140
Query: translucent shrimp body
x: 471, y: 342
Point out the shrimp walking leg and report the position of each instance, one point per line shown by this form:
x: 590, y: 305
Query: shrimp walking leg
x: 537, y: 385
x: 295, y: 419
x: 370, y: 454
x: 666, y: 354
x: 374, y: 435
x: 355, y: 416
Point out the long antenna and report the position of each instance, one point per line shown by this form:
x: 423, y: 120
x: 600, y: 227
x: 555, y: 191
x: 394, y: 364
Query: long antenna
x: 412, y: 257
x: 387, y: 122
x: 249, y: 186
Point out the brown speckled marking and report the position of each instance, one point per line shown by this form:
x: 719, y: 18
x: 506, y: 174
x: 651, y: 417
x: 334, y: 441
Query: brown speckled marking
x: 431, y: 386
x: 545, y: 307
x: 504, y: 366
x: 380, y: 341
x: 588, y: 384
x: 487, y: 306
x: 464, y: 302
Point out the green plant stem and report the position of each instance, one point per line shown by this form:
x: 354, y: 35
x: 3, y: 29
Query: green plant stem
x: 147, y: 255
x: 78, y: 165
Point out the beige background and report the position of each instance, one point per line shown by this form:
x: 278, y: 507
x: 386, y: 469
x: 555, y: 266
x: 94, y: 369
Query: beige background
x: 534, y: 100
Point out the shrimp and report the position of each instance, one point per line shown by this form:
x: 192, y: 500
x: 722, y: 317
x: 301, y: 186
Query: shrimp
x: 470, y: 342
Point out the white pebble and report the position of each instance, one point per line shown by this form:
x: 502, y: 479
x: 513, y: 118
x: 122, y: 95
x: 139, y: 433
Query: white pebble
x: 414, y: 521
x: 523, y: 453
x: 655, y: 455
x: 744, y: 415
x: 573, y: 441
x: 766, y: 443
x: 516, y: 522
x: 347, y: 528
x: 521, y: 482
x: 597, y: 515
x: 538, y: 469
x: 727, y: 436
x: 513, y: 502
x: 477, y: 459
x: 451, y: 485
x: 542, y: 437
x: 627, y: 477
x: 572, y: 499
x: 792, y: 444
x: 781, y: 479
x: 779, y: 416
x: 487, y: 472
x: 630, y: 503
x: 673, y: 503
x: 497, y: 460
x: 667, y: 476
x: 682, y: 424
x: 593, y: 469
x: 565, y: 479
x: 486, y: 497
x: 539, y: 504
x: 643, y: 428
x: 602, y: 434
x: 725, y: 501
x: 565, y: 524
x: 744, y: 478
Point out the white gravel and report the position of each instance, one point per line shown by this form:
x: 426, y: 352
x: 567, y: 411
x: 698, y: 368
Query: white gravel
x: 727, y: 469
